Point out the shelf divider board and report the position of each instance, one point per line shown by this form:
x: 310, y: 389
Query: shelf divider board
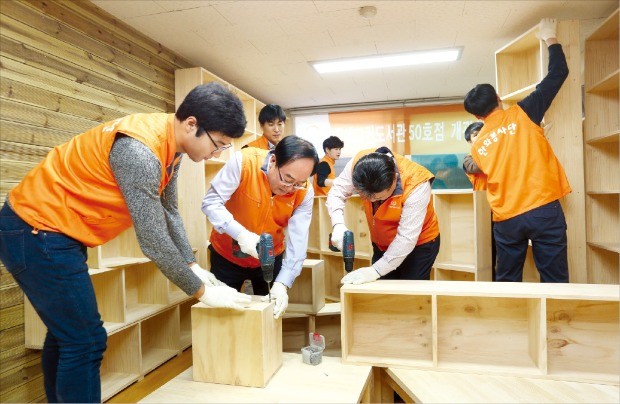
x: 121, y: 361
x: 160, y: 338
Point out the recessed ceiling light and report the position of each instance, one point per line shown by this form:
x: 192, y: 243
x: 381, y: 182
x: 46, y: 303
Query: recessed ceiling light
x: 383, y: 61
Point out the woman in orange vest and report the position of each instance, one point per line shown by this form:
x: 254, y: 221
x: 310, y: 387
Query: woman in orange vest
x: 325, y: 172
x: 399, y: 209
x: 271, y: 119
x: 525, y: 179
x: 85, y: 193
x: 260, y: 191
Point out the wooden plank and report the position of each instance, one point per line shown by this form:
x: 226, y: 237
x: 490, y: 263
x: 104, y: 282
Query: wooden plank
x: 20, y: 375
x: 14, y: 171
x: 31, y: 391
x: 33, y: 135
x: 11, y: 316
x: 10, y: 296
x: 17, y: 356
x: 22, y: 152
x: 10, y: 338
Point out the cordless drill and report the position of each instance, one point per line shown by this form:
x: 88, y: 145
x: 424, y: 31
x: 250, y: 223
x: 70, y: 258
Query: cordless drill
x: 266, y: 257
x: 348, y: 249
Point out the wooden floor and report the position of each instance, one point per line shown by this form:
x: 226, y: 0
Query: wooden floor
x: 155, y: 379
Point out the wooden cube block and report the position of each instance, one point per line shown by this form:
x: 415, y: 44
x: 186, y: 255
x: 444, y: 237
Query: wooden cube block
x: 236, y: 347
x: 308, y: 292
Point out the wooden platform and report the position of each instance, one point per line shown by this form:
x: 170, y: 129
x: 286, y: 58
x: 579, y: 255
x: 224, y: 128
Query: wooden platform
x: 295, y: 382
x: 427, y: 386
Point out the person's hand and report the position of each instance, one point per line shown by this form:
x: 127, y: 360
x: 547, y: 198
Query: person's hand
x: 247, y: 242
x: 338, y: 235
x: 205, y: 276
x: 547, y: 28
x: 361, y: 275
x: 226, y: 297
x: 278, y: 291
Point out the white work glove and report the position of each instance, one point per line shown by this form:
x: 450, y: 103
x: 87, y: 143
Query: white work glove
x: 338, y: 235
x: 226, y: 297
x: 361, y: 275
x: 247, y: 242
x: 205, y: 276
x: 547, y: 28
x: 278, y: 291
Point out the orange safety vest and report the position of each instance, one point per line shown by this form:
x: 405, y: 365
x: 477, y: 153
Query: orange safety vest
x: 322, y: 191
x: 522, y: 171
x: 73, y: 190
x: 256, y: 209
x: 384, y: 223
x: 478, y: 181
x: 260, y: 143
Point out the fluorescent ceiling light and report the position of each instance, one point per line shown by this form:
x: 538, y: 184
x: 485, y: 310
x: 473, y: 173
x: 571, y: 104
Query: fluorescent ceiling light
x: 382, y: 61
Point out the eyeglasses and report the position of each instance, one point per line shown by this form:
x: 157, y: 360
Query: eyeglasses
x: 296, y: 186
x: 217, y: 148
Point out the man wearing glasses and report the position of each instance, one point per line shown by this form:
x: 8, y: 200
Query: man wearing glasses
x: 260, y: 191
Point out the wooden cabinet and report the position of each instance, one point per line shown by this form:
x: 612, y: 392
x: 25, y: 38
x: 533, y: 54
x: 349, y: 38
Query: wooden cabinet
x: 555, y: 331
x: 520, y: 66
x: 602, y: 151
x: 465, y: 227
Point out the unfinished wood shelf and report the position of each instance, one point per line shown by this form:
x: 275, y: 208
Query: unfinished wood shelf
x: 307, y: 295
x: 602, y: 152
x: 557, y: 331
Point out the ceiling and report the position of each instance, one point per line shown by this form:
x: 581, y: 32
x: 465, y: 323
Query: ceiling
x: 264, y: 47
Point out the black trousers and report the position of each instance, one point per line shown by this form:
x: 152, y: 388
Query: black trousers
x: 546, y: 227
x: 234, y: 275
x: 417, y: 265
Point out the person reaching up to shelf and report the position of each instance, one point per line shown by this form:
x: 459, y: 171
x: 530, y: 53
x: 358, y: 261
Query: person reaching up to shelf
x: 271, y: 119
x: 84, y: 194
x: 260, y: 191
x: 325, y: 172
x: 396, y: 195
x: 525, y: 178
x: 478, y: 180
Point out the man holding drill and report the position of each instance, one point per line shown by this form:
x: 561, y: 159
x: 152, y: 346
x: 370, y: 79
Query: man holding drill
x: 397, y: 200
x: 260, y: 191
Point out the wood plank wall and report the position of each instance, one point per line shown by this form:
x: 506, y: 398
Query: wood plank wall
x: 65, y: 66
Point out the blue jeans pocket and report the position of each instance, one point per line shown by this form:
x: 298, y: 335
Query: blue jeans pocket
x: 12, y: 251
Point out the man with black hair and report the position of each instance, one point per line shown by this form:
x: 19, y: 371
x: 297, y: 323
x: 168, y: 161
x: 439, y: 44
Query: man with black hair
x: 404, y: 230
x: 525, y: 178
x: 325, y: 172
x: 260, y: 191
x: 85, y: 193
x: 478, y: 181
x: 271, y: 119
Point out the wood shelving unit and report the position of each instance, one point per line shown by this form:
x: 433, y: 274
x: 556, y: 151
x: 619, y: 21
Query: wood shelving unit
x: 602, y: 151
x: 557, y: 331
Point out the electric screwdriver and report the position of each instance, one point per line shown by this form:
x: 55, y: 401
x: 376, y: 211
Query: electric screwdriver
x: 348, y: 249
x: 266, y: 257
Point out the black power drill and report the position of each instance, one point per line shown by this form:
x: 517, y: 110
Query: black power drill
x: 266, y: 257
x: 348, y: 249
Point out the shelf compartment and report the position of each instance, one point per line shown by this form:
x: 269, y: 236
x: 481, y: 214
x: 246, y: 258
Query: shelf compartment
x: 146, y: 291
x: 387, y: 329
x: 481, y: 333
x: 185, y: 321
x: 160, y: 336
x: 603, y: 168
x: 603, y: 219
x: 334, y: 271
x: 121, y: 362
x: 314, y: 232
x: 583, y: 340
x: 442, y: 274
x: 308, y: 292
x: 122, y: 250
x: 603, y: 264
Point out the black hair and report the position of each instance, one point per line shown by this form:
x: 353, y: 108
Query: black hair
x: 293, y: 148
x: 271, y: 112
x: 481, y: 100
x: 215, y: 108
x: 473, y: 127
x: 332, y: 142
x: 374, y: 173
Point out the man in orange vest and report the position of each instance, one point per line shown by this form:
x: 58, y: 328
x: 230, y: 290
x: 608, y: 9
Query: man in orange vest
x: 271, y: 119
x: 260, y: 191
x: 85, y: 193
x: 525, y: 179
x: 325, y: 172
x: 399, y: 209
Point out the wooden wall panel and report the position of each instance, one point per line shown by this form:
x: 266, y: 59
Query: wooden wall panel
x: 65, y: 67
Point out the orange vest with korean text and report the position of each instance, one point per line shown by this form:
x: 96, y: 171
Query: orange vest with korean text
x: 322, y: 191
x: 260, y: 143
x: 73, y: 190
x: 478, y: 181
x: 254, y: 207
x: 522, y: 171
x: 384, y: 223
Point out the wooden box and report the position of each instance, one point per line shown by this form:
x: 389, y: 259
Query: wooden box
x: 236, y: 347
x: 308, y: 292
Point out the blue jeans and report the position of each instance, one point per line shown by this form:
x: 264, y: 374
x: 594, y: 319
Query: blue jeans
x: 546, y: 227
x: 51, y: 270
